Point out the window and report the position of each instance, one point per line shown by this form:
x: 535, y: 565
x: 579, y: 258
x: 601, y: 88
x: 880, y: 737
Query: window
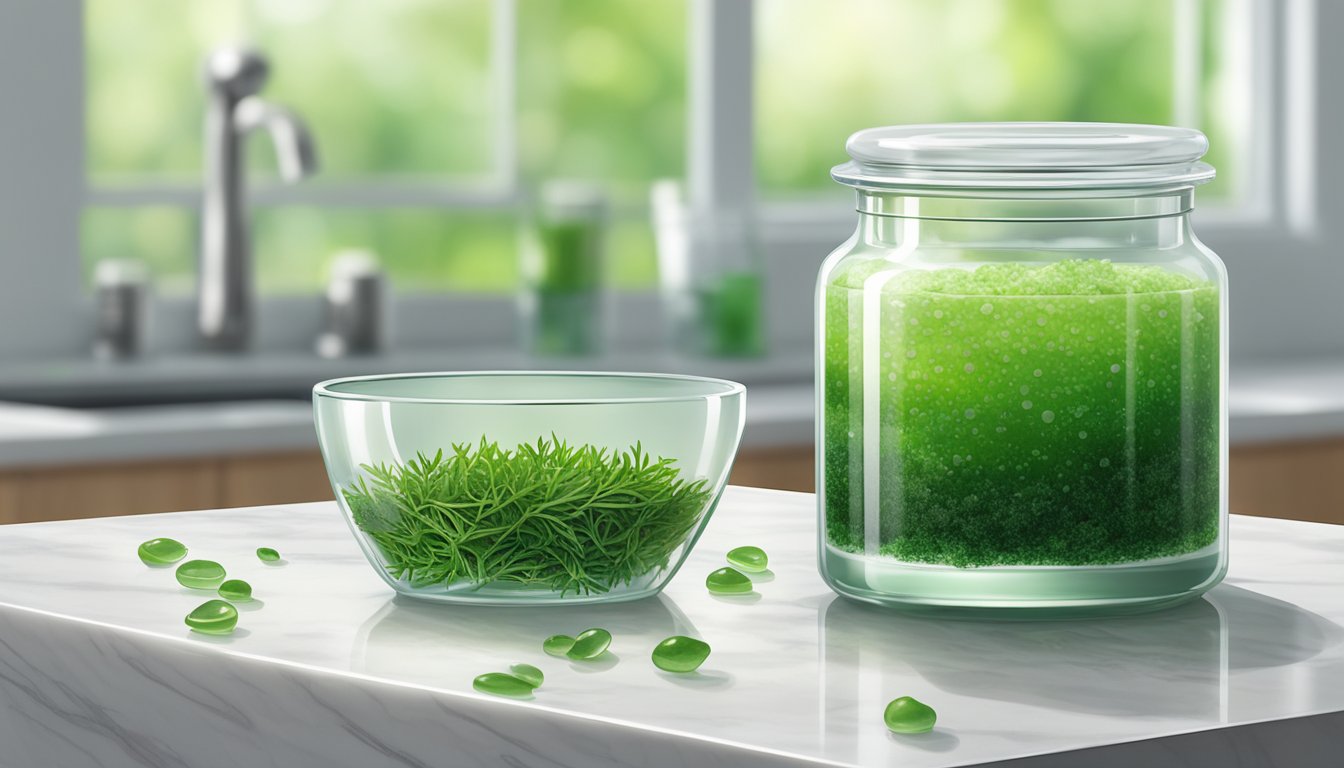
x: 433, y: 118
x: 911, y: 61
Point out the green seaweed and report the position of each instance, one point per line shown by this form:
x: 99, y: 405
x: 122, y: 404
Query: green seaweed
x: 1024, y: 415
x: 546, y: 515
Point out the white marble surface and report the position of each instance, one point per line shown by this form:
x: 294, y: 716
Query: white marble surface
x: 96, y: 668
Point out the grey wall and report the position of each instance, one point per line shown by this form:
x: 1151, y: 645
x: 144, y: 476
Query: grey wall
x: 41, y: 176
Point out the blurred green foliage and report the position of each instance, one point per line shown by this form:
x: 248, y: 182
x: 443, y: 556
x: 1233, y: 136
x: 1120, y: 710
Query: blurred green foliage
x: 404, y: 89
x: 396, y: 88
x: 824, y: 70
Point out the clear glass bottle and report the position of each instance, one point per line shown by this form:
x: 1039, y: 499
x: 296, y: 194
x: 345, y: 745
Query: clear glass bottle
x: 726, y: 315
x: 709, y: 266
x: 1021, y: 372
x: 563, y: 264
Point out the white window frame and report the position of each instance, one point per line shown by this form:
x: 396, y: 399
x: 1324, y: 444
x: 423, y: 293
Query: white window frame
x: 1279, y: 245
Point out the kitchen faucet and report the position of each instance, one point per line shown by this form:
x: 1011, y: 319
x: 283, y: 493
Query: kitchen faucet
x: 233, y: 77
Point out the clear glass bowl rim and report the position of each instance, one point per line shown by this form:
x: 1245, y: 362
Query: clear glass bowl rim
x: 713, y: 388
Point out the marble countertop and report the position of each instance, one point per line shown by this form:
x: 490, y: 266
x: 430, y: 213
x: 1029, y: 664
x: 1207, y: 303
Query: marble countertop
x: 327, y: 669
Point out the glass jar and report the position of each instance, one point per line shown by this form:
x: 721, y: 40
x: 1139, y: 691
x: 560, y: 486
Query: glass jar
x: 563, y: 263
x: 1021, y: 372
x: 710, y: 274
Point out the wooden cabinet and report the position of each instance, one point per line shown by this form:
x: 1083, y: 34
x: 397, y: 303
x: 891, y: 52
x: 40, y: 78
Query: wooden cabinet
x: 128, y: 488
x: 1293, y: 481
x: 1299, y: 481
x: 274, y: 479
x: 102, y: 490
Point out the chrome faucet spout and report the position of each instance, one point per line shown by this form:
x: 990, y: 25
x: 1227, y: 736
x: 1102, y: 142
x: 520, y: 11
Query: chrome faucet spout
x: 233, y: 77
x: 295, y: 152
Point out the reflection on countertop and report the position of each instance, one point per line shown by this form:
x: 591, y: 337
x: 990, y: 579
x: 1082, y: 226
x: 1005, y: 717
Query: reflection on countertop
x: 393, y: 642
x: 1174, y: 663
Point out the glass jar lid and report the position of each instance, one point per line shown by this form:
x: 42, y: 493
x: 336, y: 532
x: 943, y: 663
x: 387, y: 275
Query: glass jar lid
x: 1025, y: 156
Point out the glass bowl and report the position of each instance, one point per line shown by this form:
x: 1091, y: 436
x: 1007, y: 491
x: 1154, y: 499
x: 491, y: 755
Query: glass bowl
x: 528, y: 487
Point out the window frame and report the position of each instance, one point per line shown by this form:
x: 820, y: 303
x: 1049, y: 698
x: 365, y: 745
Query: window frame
x: 45, y: 184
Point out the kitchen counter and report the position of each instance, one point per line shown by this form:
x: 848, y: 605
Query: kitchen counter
x: 1267, y: 403
x: 291, y: 375
x: 39, y: 435
x: 327, y: 669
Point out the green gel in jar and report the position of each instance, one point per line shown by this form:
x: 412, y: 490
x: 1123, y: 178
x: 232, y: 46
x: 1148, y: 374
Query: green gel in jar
x: 728, y: 581
x: 200, y: 574
x: 502, y: 684
x: 528, y: 674
x: 907, y: 715
x: 750, y: 559
x: 213, y: 617
x: 235, y: 589
x: 267, y: 555
x: 557, y: 645
x: 680, y: 654
x: 1031, y: 462
x: 161, y: 551
x: 590, y: 644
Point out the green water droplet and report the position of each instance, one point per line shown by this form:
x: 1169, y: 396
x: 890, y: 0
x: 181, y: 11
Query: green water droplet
x: 751, y: 559
x: 200, y: 574
x: 528, y: 674
x: 235, y: 589
x: 267, y: 554
x: 680, y: 654
x: 502, y: 684
x: 728, y: 581
x: 907, y: 715
x: 589, y: 644
x: 161, y: 551
x: 557, y: 645
x: 213, y: 617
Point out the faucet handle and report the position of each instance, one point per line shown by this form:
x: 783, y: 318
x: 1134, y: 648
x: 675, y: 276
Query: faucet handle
x: 236, y: 70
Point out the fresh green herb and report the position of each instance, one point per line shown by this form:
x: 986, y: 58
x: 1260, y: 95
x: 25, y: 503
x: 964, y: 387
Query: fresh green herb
x: 213, y: 617
x: 546, y: 515
x: 907, y: 715
x: 750, y: 559
x: 267, y: 555
x: 557, y: 645
x: 200, y: 574
x: 502, y: 684
x: 590, y: 644
x: 161, y: 551
x: 680, y: 654
x: 728, y: 581
x: 528, y: 674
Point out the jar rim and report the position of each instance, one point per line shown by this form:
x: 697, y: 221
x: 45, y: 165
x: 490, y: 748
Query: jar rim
x: 1025, y: 156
